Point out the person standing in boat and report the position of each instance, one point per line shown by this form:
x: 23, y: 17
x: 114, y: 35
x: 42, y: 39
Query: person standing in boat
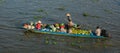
x: 38, y: 25
x: 70, y: 23
x: 98, y: 31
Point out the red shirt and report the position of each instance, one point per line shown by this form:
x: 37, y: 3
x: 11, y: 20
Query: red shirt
x: 38, y: 26
x: 62, y: 26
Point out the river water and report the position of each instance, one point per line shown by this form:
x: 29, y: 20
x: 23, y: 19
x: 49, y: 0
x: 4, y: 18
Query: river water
x: 13, y: 13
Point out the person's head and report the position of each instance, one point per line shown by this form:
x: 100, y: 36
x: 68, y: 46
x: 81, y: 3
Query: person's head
x: 97, y: 27
x: 25, y: 24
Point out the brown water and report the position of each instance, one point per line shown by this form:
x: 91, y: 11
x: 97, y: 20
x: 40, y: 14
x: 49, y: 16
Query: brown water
x: 13, y: 13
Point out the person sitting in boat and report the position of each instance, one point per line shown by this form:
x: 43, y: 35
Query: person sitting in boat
x: 98, y: 31
x: 25, y: 26
x: 57, y: 27
x: 43, y: 26
x: 105, y: 33
x: 38, y: 25
x: 31, y: 26
x: 28, y: 26
x: 62, y: 28
x: 46, y: 27
x: 53, y: 28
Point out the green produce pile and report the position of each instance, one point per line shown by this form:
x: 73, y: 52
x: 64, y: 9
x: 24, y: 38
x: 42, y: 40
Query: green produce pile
x: 78, y: 31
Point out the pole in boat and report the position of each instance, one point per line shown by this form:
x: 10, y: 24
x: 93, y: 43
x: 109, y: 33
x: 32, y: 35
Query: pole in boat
x: 68, y: 17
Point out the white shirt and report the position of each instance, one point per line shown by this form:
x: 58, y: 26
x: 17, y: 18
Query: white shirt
x: 98, y: 32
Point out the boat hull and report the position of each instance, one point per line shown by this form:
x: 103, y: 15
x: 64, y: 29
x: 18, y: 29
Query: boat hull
x: 66, y: 34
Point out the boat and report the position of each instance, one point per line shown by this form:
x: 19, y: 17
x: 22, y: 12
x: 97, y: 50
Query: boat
x: 66, y: 34
x: 75, y: 32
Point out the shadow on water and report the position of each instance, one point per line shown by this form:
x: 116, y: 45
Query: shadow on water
x: 29, y: 34
x: 66, y: 41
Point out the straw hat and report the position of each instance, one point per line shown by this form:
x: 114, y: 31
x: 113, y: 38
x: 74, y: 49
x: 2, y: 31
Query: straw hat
x: 39, y: 21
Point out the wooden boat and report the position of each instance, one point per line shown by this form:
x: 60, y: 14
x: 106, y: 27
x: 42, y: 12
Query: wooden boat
x: 67, y: 34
